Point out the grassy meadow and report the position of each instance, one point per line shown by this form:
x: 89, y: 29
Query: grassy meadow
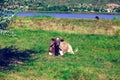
x: 24, y: 51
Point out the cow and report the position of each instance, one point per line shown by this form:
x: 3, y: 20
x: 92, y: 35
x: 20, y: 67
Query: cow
x: 97, y: 17
x: 58, y: 47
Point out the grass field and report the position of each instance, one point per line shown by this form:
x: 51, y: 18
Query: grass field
x: 24, y: 55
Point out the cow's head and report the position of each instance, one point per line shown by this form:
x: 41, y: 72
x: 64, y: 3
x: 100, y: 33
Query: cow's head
x: 56, y: 44
x: 57, y: 41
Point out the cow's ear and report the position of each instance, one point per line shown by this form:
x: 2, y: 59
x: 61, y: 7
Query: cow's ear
x: 52, y: 39
x: 62, y: 40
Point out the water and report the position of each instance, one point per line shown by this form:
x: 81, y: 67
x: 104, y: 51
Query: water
x: 69, y: 15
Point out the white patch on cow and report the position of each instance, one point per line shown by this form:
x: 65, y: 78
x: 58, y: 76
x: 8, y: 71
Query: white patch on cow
x: 70, y: 49
x: 61, y: 53
x: 50, y: 53
x: 57, y: 38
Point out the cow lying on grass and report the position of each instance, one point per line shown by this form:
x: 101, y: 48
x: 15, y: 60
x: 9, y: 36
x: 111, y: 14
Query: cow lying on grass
x: 59, y: 46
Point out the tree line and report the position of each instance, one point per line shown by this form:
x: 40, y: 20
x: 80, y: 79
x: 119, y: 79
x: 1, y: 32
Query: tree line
x: 58, y: 5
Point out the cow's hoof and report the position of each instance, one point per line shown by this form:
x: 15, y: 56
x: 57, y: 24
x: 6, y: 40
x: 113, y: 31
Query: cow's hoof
x: 61, y: 53
x: 50, y: 53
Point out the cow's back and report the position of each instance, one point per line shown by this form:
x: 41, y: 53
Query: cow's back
x: 66, y: 47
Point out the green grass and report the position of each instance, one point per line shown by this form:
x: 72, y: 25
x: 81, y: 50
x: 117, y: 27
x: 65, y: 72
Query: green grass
x: 97, y: 58
x: 43, y: 16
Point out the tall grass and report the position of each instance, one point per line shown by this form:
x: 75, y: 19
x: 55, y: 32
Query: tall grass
x: 81, y: 26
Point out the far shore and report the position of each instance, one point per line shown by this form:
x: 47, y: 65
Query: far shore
x: 73, y: 12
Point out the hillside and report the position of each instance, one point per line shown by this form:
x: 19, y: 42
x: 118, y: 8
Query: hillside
x: 63, y: 5
x: 74, y: 2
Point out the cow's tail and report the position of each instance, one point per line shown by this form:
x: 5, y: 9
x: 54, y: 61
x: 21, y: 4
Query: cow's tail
x: 76, y: 50
x: 71, y: 50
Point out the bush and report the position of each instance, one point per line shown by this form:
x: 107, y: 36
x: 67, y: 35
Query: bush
x: 117, y: 33
x: 57, y: 8
x: 4, y: 24
x: 116, y: 18
x: 117, y: 9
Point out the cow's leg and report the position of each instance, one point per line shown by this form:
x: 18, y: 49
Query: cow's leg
x: 50, y: 53
x: 70, y: 50
x: 61, y: 53
x: 56, y: 54
x: 56, y: 50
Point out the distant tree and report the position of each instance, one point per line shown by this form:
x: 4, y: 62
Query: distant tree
x: 63, y: 8
x: 2, y: 6
x: 57, y: 8
x: 117, y: 9
x: 2, y: 3
x: 89, y: 8
x: 96, y: 9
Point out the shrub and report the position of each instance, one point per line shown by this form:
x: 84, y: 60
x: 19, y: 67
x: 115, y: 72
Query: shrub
x: 117, y: 33
x: 116, y: 18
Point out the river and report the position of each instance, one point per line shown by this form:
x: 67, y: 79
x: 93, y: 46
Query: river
x: 69, y: 15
